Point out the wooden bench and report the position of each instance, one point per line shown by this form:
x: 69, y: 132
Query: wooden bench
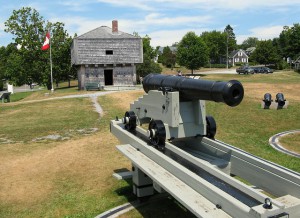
x: 93, y: 86
x: 5, y: 96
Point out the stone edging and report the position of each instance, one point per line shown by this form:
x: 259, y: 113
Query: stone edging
x: 274, y: 142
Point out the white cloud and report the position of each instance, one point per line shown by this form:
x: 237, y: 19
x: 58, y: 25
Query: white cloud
x: 148, y: 25
x: 262, y: 33
x: 156, y: 5
x: 140, y: 4
x: 167, y: 38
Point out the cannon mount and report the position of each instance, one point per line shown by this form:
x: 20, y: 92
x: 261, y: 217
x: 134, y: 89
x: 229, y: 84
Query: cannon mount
x: 178, y: 154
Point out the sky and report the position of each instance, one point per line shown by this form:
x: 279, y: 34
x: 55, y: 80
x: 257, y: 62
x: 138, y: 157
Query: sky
x: 164, y: 21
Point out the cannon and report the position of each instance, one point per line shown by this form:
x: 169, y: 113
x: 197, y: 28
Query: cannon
x: 231, y: 93
x: 267, y: 99
x: 174, y: 104
x: 177, y: 153
x: 280, y: 99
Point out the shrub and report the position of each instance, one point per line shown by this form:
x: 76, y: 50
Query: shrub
x: 216, y: 66
x: 239, y: 64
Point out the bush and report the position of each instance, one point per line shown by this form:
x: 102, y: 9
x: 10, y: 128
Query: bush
x: 239, y: 64
x: 216, y: 66
x: 282, y: 65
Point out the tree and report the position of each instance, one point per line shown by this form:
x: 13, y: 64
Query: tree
x: 29, y: 63
x: 192, y: 52
x: 265, y: 53
x: 216, y: 43
x: 289, y: 41
x: 27, y: 26
x: 249, y: 42
x: 148, y: 65
x: 231, y: 38
x: 168, y: 58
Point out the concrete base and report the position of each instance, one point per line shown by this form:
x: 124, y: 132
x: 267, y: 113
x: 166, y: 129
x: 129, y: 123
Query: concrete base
x: 123, y: 175
x: 274, y: 105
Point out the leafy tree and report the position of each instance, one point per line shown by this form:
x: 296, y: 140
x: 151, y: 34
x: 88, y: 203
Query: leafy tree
x: 249, y: 42
x: 27, y: 26
x: 192, y: 52
x: 265, y: 53
x: 289, y: 41
x: 29, y: 63
x: 216, y: 43
x: 168, y: 58
x: 148, y: 65
x: 61, y: 54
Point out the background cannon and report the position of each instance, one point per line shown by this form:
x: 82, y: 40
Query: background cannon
x: 280, y: 99
x: 267, y: 99
x: 231, y: 92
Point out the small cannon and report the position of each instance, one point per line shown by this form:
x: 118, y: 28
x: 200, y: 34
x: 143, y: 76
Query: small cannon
x: 175, y: 108
x: 231, y: 93
x: 267, y: 99
x: 280, y: 99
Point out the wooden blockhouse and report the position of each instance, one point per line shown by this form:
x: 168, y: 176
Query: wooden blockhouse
x: 106, y: 56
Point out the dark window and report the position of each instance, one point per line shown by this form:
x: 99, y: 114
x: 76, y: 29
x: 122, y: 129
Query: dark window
x: 109, y: 52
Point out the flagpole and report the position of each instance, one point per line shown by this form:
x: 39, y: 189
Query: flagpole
x: 52, y: 89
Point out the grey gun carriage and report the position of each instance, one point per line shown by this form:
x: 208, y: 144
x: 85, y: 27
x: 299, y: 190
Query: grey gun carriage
x: 178, y: 154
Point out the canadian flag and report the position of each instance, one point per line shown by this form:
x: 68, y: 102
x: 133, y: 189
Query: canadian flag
x: 46, y: 44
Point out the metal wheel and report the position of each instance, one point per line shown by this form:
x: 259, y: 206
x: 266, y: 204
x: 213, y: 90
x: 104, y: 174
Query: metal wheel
x: 211, y: 127
x: 129, y: 120
x: 157, y: 133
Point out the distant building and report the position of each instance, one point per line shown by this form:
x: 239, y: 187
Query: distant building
x: 238, y: 56
x: 250, y: 50
x: 106, y: 56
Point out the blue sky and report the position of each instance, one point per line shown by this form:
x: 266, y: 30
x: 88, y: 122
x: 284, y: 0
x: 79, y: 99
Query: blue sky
x: 165, y: 21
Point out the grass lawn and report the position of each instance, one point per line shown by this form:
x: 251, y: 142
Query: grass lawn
x: 72, y: 175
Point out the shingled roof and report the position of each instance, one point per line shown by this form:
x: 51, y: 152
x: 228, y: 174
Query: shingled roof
x: 105, y: 32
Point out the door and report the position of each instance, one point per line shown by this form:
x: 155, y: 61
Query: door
x: 108, y: 77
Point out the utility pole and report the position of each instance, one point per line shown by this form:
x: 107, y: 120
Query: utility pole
x: 227, y: 49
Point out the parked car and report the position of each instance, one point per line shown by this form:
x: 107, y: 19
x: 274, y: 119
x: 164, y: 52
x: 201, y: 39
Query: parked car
x: 245, y: 70
x: 262, y: 70
x: 257, y: 69
x: 266, y: 70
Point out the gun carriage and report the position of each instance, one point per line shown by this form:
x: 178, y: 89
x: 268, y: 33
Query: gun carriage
x: 177, y: 153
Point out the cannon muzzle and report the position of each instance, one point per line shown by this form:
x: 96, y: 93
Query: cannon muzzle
x: 268, y: 99
x: 231, y: 92
x: 280, y: 99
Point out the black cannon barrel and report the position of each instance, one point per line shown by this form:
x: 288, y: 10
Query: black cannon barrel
x: 231, y: 92
x: 280, y: 99
x: 267, y: 99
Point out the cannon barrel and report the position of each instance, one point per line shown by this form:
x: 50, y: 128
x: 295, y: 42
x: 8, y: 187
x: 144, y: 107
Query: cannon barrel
x: 267, y: 99
x: 280, y: 99
x: 231, y: 92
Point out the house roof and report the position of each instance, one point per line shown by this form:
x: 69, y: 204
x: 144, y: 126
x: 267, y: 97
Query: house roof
x: 297, y: 60
x: 105, y: 32
x: 250, y: 49
x: 172, y: 48
x: 235, y: 52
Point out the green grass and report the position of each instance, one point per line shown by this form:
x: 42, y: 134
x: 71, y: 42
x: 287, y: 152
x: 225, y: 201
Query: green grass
x: 92, y: 190
x: 284, y: 77
x: 25, y: 122
x: 19, y: 96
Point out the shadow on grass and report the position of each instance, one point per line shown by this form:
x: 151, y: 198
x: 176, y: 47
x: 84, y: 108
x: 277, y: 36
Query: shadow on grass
x: 158, y: 205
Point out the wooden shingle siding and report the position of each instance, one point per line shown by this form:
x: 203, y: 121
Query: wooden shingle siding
x: 102, y: 52
x: 93, y: 51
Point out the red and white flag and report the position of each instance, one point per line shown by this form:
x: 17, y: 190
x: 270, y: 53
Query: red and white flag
x: 46, y: 44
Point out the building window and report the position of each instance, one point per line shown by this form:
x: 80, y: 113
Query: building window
x: 109, y: 52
